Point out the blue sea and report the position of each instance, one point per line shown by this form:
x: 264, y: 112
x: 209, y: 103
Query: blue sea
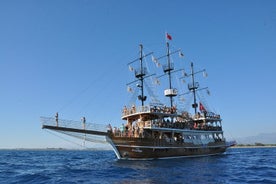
x: 239, y: 165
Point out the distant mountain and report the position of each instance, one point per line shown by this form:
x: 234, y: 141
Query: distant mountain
x: 265, y: 138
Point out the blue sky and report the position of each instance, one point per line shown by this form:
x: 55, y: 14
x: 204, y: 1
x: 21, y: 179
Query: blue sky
x: 71, y: 56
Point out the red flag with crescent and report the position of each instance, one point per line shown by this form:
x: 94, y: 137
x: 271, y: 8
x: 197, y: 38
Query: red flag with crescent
x: 169, y: 37
x: 201, y: 107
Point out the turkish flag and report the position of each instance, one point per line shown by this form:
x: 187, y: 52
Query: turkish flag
x: 201, y: 107
x: 169, y: 37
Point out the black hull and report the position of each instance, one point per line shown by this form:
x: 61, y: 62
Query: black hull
x: 130, y: 149
x: 135, y: 153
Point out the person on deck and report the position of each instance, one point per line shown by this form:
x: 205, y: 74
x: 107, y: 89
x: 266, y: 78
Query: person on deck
x: 83, y: 122
x: 125, y: 110
x: 122, y: 129
x: 56, y: 116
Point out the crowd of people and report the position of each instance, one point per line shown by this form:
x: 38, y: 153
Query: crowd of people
x: 157, y: 109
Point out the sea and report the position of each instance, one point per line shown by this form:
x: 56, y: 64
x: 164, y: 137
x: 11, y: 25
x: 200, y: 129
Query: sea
x: 237, y: 165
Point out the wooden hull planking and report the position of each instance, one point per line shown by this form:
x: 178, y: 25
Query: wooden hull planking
x: 146, y: 150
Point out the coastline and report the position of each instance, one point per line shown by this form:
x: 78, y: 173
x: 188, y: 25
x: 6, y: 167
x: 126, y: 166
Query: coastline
x: 253, y: 146
x: 54, y: 149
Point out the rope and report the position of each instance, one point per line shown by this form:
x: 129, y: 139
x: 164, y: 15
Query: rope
x: 66, y: 139
x: 79, y: 94
x: 151, y: 93
x: 133, y: 97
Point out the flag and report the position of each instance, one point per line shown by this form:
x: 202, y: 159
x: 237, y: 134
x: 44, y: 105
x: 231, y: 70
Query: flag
x: 157, y: 81
x: 169, y: 37
x: 181, y: 55
x: 185, y: 74
x: 130, y: 68
x: 129, y: 89
x: 153, y: 59
x: 205, y: 74
x: 201, y: 107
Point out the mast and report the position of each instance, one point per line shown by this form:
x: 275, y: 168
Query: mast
x: 140, y: 75
x: 168, y: 70
x: 193, y: 87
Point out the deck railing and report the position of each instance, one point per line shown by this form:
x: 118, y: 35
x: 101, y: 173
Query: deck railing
x: 149, y: 108
x: 134, y: 109
x: 73, y: 124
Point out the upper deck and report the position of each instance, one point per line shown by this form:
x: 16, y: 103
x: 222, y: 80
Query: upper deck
x: 151, y: 110
x: 162, y: 111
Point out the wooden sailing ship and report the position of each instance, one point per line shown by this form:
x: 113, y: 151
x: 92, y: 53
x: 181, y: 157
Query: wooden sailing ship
x: 154, y: 130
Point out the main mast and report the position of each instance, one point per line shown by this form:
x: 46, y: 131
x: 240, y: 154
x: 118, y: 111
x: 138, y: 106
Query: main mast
x: 168, y: 69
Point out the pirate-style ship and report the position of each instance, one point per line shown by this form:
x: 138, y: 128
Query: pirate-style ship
x: 154, y: 130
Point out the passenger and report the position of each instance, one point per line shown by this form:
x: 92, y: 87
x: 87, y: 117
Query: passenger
x: 83, y: 122
x: 141, y: 132
x: 109, y: 128
x: 114, y: 130
x: 56, y: 118
x: 173, y: 109
x: 122, y: 129
x: 125, y: 110
x: 198, y: 115
x: 133, y: 130
x: 133, y: 109
x: 137, y: 131
x: 126, y: 130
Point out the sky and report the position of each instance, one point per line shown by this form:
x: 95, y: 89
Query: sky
x: 70, y: 56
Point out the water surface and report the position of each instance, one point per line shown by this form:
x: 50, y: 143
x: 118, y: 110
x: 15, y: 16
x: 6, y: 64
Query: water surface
x: 246, y: 165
